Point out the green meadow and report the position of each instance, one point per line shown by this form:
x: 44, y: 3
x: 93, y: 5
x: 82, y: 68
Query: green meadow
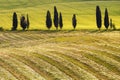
x: 37, y: 9
x: 40, y: 54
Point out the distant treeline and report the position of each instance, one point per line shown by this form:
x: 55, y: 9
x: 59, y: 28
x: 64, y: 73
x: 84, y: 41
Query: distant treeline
x: 58, y: 21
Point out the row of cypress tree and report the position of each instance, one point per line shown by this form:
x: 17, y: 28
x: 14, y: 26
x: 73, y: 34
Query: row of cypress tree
x: 58, y: 21
x: 24, y: 23
x: 107, y: 21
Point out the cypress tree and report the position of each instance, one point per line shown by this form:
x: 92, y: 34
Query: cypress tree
x: 55, y: 18
x: 15, y: 21
x: 23, y: 22
x: 28, y: 22
x: 106, y: 19
x: 60, y: 21
x: 111, y: 24
x: 98, y: 17
x: 48, y: 20
x: 74, y: 21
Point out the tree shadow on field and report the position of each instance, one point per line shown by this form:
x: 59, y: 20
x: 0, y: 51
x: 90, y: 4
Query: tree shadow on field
x: 99, y: 31
x: 54, y: 31
x: 49, y: 31
x: 94, y: 31
x: 36, y: 31
x: 40, y: 31
x: 68, y: 31
x: 117, y: 30
x: 102, y: 31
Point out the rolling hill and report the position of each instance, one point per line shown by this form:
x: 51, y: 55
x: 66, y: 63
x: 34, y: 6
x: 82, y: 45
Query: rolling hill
x: 60, y: 55
x: 37, y: 9
x: 40, y: 54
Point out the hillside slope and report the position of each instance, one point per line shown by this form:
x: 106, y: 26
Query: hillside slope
x: 57, y: 55
x: 85, y: 11
x: 9, y: 4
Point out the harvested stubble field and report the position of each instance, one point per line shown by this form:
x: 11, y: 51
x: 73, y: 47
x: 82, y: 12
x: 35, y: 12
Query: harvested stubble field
x: 60, y: 55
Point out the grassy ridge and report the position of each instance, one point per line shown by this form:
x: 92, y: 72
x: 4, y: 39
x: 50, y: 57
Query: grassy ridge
x: 85, y: 11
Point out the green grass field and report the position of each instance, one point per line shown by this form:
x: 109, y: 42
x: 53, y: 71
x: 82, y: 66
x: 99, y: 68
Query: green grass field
x: 85, y: 11
x: 40, y: 54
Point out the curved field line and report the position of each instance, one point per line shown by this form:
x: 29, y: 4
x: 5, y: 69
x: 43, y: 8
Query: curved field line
x: 6, y: 75
x: 108, y: 46
x: 9, y: 37
x: 86, y: 75
x: 107, y: 53
x: 17, y: 36
x: 12, y: 70
x: 34, y: 66
x: 54, y: 71
x: 27, y: 37
x: 20, y: 37
x: 48, y: 50
x: 99, y: 50
x: 68, y: 53
x: 55, y: 74
x: 110, y: 49
x: 24, y: 69
x: 82, y: 65
x: 4, y: 39
x: 61, y: 67
x: 13, y: 38
x: 35, y: 37
x: 115, y: 59
x: 45, y: 57
x: 111, y: 67
x: 81, y: 72
x: 36, y: 63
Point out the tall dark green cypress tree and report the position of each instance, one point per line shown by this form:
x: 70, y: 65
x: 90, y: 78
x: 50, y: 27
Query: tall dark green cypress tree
x: 74, y: 21
x: 48, y: 20
x: 28, y: 22
x: 106, y: 19
x: 111, y: 24
x: 98, y: 17
x: 60, y: 21
x: 15, y: 22
x: 23, y: 22
x: 55, y: 17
